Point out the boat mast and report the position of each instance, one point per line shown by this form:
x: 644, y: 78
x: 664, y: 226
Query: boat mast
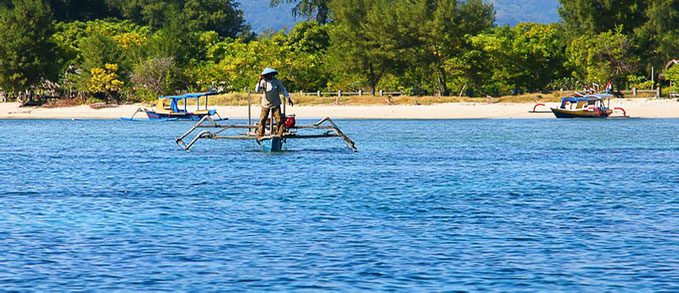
x: 249, y: 106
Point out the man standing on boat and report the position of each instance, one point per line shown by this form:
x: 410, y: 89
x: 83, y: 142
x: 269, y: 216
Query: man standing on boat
x: 271, y: 88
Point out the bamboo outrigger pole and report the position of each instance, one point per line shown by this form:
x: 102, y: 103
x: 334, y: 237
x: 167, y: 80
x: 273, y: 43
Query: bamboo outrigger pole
x: 330, y: 130
x: 293, y: 132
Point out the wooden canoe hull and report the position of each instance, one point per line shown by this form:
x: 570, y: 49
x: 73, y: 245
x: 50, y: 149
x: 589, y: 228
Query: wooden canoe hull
x: 271, y: 144
x: 581, y: 113
x: 155, y: 116
x: 175, y: 116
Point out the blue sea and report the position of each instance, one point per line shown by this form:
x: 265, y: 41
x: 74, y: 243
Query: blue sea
x: 441, y: 205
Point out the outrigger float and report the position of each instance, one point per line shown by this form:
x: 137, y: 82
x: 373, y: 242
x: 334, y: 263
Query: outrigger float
x: 268, y: 142
x: 175, y: 108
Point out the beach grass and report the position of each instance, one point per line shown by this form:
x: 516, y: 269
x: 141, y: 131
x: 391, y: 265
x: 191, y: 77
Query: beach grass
x: 241, y: 99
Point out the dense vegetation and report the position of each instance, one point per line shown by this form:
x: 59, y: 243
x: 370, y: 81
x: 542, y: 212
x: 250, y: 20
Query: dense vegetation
x: 135, y: 50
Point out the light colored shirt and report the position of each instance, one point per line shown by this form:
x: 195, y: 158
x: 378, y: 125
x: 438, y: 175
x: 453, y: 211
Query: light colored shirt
x: 271, y: 90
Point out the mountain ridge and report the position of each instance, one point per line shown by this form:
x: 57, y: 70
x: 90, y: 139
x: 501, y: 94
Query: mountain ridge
x: 262, y: 17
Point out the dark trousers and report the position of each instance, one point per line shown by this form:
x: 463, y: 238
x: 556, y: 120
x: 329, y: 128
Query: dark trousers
x: 277, y: 115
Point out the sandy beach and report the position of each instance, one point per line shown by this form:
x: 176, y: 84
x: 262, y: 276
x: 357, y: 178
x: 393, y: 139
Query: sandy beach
x: 642, y: 108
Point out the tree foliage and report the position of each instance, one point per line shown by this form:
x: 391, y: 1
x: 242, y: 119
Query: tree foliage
x: 155, y: 77
x: 598, y: 16
x: 673, y: 76
x: 413, y: 39
x: 419, y: 46
x: 660, y: 32
x: 602, y: 57
x: 527, y: 57
x: 27, y: 51
x: 105, y: 81
x: 357, y: 46
x: 221, y: 16
x: 177, y: 39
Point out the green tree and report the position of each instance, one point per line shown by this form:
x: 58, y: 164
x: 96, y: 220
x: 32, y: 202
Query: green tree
x: 243, y: 62
x: 220, y: 16
x: 472, y: 70
x: 598, y: 16
x: 98, y: 49
x: 528, y: 56
x: 299, y: 56
x: 660, y: 32
x: 156, y: 76
x: 424, y: 36
x: 445, y: 32
x: 70, y: 10
x: 105, y: 81
x: 602, y: 57
x: 356, y: 46
x: 150, y: 13
x: 177, y: 39
x: 95, y: 51
x: 93, y: 44
x: 309, y: 37
x: 672, y: 75
x: 305, y: 51
x: 127, y: 36
x: 318, y: 9
x: 27, y: 51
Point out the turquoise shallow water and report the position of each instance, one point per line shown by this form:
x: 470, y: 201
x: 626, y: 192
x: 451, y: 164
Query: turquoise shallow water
x: 502, y: 205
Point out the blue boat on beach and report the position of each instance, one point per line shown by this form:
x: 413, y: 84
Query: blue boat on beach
x: 176, y: 108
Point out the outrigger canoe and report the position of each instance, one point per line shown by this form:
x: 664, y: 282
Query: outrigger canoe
x: 176, y: 108
x: 268, y: 142
x: 587, y: 106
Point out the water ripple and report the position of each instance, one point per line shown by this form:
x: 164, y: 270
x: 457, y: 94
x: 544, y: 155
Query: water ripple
x: 501, y: 205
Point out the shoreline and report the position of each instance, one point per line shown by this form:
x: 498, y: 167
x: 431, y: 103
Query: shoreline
x: 639, y: 107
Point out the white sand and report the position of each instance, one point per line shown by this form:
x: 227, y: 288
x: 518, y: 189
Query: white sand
x: 643, y: 108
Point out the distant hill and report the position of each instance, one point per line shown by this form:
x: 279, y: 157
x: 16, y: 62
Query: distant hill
x: 261, y: 17
x: 514, y: 11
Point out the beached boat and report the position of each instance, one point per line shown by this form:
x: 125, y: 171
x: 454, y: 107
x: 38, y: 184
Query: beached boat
x: 176, y: 108
x: 268, y: 141
x: 584, y: 106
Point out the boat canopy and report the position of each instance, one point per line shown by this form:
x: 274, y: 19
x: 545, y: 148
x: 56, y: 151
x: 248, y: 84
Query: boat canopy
x: 590, y: 99
x: 579, y: 99
x: 188, y: 96
x: 175, y: 107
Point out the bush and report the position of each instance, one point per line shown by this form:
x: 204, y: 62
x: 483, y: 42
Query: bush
x: 105, y: 81
x: 673, y: 76
x: 639, y: 82
x: 156, y: 76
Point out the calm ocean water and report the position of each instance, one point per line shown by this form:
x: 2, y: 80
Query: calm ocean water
x: 502, y: 205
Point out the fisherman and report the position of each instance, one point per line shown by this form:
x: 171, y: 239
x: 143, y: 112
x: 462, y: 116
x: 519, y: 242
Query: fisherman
x: 271, y: 88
